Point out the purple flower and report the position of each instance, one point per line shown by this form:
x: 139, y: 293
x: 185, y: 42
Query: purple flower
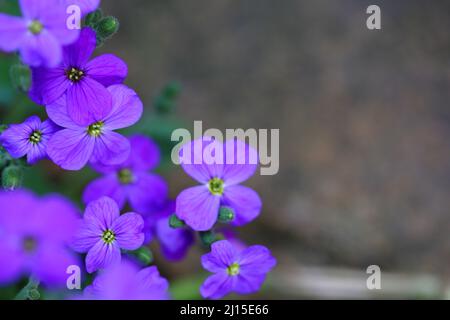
x: 29, y: 138
x: 86, y: 6
x: 39, y: 35
x: 240, y: 271
x: 199, y: 206
x: 34, y: 234
x: 104, y: 232
x: 81, y: 82
x: 130, y: 181
x: 174, y: 243
x: 125, y: 281
x: 75, y: 145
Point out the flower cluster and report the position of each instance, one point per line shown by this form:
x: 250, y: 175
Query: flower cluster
x: 86, y: 103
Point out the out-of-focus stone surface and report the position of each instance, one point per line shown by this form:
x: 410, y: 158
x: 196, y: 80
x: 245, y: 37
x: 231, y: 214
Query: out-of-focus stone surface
x: 364, y: 115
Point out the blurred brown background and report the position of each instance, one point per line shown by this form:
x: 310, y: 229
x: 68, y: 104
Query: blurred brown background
x: 363, y: 116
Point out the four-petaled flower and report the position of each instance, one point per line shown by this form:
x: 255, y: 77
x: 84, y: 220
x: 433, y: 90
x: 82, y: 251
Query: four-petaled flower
x: 34, y: 237
x: 39, y: 35
x: 104, y: 232
x: 125, y: 281
x: 81, y: 82
x: 236, y: 162
x: 240, y: 271
x: 75, y: 145
x: 130, y: 181
x: 29, y: 138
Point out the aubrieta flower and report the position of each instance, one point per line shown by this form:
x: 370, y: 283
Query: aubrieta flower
x: 29, y: 138
x: 239, y: 271
x: 174, y: 243
x: 199, y: 206
x: 72, y: 147
x: 39, y: 35
x: 81, y: 82
x: 104, y: 232
x: 34, y: 237
x: 130, y: 181
x: 125, y: 281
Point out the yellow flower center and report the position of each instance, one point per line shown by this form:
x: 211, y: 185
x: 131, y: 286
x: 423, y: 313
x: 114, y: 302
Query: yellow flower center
x: 108, y: 236
x: 95, y: 129
x: 35, y: 27
x: 74, y: 74
x: 125, y: 176
x: 233, y: 270
x: 215, y: 186
x: 36, y: 137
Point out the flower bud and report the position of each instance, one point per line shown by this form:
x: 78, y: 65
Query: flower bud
x: 107, y: 27
x: 93, y: 18
x: 144, y: 255
x: 20, y: 77
x: 175, y: 222
x: 12, y: 177
x: 226, y: 214
x: 208, y: 238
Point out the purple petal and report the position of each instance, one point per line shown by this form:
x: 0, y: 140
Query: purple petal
x: 102, y: 256
x: 57, y: 112
x: 77, y: 55
x: 148, y: 193
x: 126, y: 108
x: 246, y: 203
x: 174, y: 242
x: 87, y: 236
x: 145, y: 154
x: 36, y: 153
x: 57, y: 218
x: 88, y: 101
x: 13, y: 32
x: 248, y: 283
x: 70, y: 149
x: 222, y: 255
x: 217, y: 286
x: 256, y: 260
x: 33, y: 9
x: 111, y: 148
x: 128, y: 231
x: 241, y: 162
x: 107, y: 69
x: 51, y: 263
x: 102, y: 213
x: 154, y: 286
x: 41, y: 50
x: 54, y: 18
x: 48, y: 85
x: 195, y: 161
x: 198, y: 208
x: 108, y: 186
x: 13, y: 261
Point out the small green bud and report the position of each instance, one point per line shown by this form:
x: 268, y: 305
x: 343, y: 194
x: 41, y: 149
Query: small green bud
x: 172, y: 90
x: 164, y: 105
x: 207, y: 238
x: 107, y: 27
x: 175, y: 222
x: 226, y: 214
x: 20, y: 77
x: 144, y: 255
x: 93, y: 18
x: 12, y: 177
x: 34, y: 294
